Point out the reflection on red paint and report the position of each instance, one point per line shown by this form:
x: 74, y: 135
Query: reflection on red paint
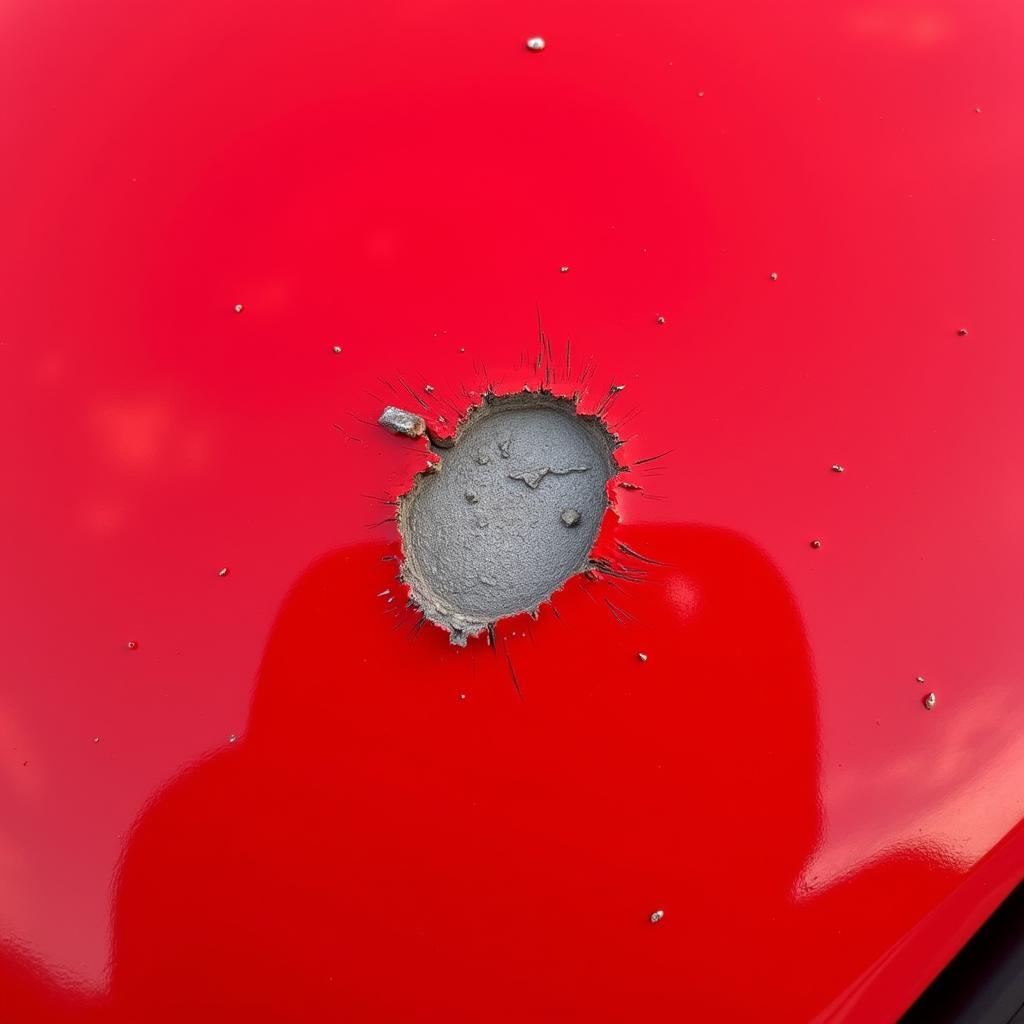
x: 376, y: 845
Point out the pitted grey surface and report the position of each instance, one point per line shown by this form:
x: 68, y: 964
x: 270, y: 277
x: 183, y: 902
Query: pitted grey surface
x: 485, y: 537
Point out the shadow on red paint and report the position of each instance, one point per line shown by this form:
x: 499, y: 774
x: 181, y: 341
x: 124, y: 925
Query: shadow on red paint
x: 399, y: 837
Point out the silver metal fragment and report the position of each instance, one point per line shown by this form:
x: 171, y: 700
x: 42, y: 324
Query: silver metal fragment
x: 398, y: 421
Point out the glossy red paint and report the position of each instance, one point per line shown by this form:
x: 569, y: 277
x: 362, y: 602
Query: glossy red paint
x: 285, y: 802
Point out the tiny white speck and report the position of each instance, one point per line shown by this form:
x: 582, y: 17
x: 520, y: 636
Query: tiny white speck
x: 336, y: 350
x: 223, y: 572
x: 535, y: 43
x: 659, y: 319
x: 232, y: 738
x: 641, y: 655
x: 564, y: 269
x: 429, y: 388
x: 773, y: 276
x: 239, y: 307
x: 132, y: 645
x: 929, y: 701
x: 95, y: 739
x: 657, y: 916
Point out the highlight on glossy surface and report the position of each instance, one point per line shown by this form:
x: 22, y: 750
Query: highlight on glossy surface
x: 294, y: 799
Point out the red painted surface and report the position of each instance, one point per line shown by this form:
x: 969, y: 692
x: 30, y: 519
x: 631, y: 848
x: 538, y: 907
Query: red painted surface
x: 404, y: 181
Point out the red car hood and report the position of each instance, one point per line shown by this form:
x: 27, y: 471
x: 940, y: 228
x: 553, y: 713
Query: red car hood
x: 239, y: 778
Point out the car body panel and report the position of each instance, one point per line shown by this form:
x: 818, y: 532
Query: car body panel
x: 267, y: 793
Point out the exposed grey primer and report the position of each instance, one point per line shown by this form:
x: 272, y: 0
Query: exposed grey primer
x: 469, y: 563
x: 533, y: 477
x: 399, y: 421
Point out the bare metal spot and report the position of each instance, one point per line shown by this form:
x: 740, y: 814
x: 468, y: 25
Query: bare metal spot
x: 477, y: 545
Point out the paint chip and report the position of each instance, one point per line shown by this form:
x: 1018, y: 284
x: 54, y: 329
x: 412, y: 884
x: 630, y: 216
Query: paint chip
x: 657, y: 916
x: 836, y: 468
x: 238, y: 307
x: 535, y: 43
x: 815, y: 544
x: 929, y: 701
x: 641, y: 655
